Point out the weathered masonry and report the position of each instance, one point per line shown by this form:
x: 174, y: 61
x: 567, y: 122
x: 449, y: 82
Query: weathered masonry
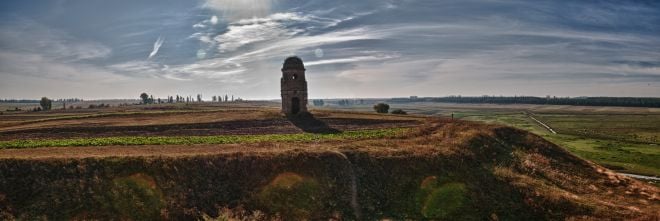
x: 293, y: 86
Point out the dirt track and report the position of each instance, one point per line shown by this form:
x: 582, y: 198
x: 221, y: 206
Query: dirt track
x: 129, y: 151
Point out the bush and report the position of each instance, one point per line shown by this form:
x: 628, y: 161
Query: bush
x: 45, y: 103
x: 382, y: 108
x: 399, y: 111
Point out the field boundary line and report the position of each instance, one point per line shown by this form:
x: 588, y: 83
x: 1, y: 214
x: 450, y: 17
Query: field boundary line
x: 530, y: 115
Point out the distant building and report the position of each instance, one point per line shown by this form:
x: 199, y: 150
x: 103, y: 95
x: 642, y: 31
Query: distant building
x: 293, y: 86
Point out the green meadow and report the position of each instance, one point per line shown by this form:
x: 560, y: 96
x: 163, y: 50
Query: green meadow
x: 187, y: 140
x: 624, y: 142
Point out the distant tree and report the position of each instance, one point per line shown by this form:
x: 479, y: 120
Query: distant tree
x: 45, y: 103
x: 398, y: 111
x: 382, y: 108
x: 214, y: 98
x: 199, y: 98
x: 318, y: 102
x: 226, y: 98
x: 144, y: 97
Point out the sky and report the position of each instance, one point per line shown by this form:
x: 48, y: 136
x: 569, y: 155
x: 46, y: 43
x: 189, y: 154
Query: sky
x: 99, y: 49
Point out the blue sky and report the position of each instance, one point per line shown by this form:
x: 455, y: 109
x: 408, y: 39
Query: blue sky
x: 117, y: 49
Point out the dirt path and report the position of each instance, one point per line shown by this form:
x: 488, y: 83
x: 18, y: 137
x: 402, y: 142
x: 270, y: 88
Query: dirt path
x: 130, y: 151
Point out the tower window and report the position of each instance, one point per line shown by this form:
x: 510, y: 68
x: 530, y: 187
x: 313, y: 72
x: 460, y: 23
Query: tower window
x: 295, y: 76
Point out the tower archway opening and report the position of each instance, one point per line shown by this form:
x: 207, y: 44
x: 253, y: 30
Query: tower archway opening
x: 295, y: 105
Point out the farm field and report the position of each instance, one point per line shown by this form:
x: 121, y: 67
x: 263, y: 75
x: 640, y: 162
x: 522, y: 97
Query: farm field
x: 183, y: 120
x: 626, y: 139
x: 217, y: 160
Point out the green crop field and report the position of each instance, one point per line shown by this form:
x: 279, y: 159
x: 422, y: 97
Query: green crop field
x: 187, y: 140
x: 624, y: 142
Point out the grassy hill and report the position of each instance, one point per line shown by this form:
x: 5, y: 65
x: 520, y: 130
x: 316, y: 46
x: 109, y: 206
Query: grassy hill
x: 354, y: 166
x: 624, y: 139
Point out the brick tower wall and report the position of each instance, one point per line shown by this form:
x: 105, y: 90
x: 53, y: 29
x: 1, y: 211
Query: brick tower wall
x: 293, y: 84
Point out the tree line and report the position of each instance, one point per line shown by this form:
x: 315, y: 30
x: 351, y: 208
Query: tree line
x: 581, y: 101
x: 38, y: 101
x: 149, y: 99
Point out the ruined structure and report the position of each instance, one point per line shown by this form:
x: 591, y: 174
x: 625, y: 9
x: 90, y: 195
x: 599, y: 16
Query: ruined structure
x: 293, y: 86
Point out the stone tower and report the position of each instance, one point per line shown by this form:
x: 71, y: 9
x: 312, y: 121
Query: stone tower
x: 293, y: 86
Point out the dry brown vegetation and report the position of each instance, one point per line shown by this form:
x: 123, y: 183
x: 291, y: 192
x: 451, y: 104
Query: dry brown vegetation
x: 442, y: 169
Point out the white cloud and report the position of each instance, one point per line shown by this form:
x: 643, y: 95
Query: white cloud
x: 206, y: 23
x: 248, y: 31
x: 290, y: 45
x: 219, y: 71
x: 354, y: 59
x: 199, y: 25
x: 239, y: 9
x: 214, y: 20
x: 159, y: 42
x: 30, y: 64
x: 32, y: 37
x: 250, y: 43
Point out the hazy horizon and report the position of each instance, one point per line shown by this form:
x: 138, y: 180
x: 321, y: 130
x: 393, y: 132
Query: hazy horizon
x: 119, y: 49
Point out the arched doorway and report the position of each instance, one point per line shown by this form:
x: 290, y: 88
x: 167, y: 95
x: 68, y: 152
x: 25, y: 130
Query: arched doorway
x: 295, y: 105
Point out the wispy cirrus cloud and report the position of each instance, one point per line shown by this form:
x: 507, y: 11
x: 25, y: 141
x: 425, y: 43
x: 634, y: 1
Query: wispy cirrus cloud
x: 376, y: 57
x: 159, y: 42
x: 421, y: 47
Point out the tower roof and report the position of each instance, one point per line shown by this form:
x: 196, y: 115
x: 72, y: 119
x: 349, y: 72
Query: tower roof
x: 293, y: 62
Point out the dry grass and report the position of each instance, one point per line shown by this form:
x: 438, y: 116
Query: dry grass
x: 493, y: 171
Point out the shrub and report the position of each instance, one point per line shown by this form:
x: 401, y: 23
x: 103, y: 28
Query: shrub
x: 45, y: 103
x: 145, y: 98
x: 399, y: 111
x: 382, y: 108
